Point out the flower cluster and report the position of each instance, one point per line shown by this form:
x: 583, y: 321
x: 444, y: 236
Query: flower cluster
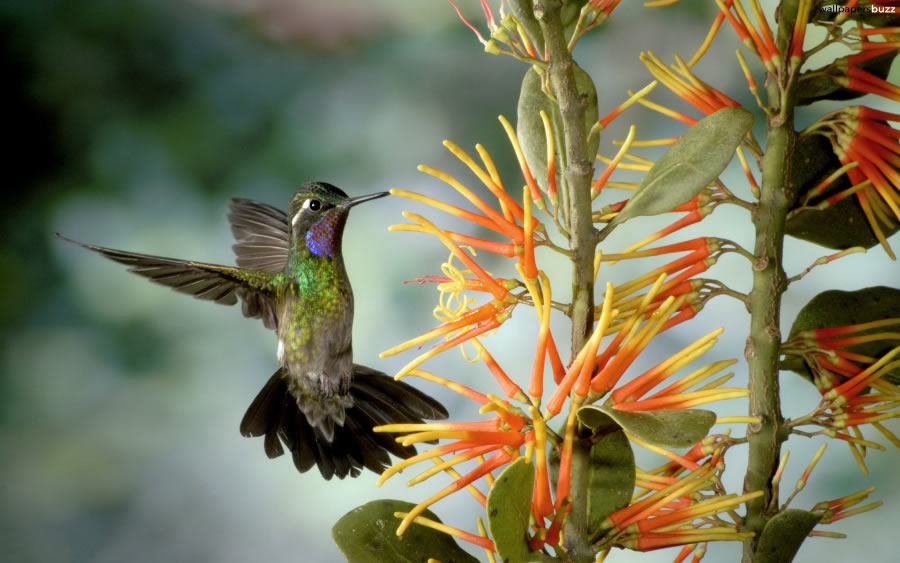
x: 855, y: 388
x: 631, y: 315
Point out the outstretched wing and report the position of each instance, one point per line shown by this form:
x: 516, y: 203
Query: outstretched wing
x: 221, y: 284
x: 262, y: 235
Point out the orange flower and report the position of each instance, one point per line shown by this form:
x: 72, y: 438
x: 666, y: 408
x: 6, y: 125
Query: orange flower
x: 838, y: 509
x: 671, y: 516
x: 500, y: 436
x: 760, y: 42
x: 854, y: 391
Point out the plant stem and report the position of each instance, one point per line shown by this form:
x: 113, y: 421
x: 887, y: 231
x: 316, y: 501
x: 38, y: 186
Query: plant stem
x: 769, y: 283
x: 582, y: 241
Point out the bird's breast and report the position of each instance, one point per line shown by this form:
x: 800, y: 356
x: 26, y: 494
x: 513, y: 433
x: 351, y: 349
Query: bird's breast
x: 315, y: 329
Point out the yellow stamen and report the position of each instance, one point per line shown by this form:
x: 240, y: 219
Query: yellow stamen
x: 615, y: 162
x: 665, y: 111
x: 887, y: 434
x: 651, y: 142
x: 688, y: 400
x: 446, y: 208
x: 623, y: 166
x: 482, y: 531
x: 440, y: 465
x: 812, y: 465
x: 696, y: 376
x: 500, y: 221
x: 551, y: 158
x: 633, y: 97
x: 485, y: 178
x: 704, y: 47
x: 523, y: 164
x: 711, y: 506
x: 718, y: 382
x: 778, y: 472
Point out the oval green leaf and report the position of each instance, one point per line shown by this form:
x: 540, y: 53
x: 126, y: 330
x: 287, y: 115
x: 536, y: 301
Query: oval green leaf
x: 611, y: 478
x: 784, y: 533
x: 690, y: 165
x: 367, y: 534
x: 836, y: 308
x: 508, y: 511
x: 530, y: 127
x: 675, y: 428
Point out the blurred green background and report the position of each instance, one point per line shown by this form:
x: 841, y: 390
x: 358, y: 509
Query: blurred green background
x: 131, y: 123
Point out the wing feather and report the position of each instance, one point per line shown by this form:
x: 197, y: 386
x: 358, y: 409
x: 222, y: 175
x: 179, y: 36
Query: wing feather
x: 210, y: 282
x: 262, y: 234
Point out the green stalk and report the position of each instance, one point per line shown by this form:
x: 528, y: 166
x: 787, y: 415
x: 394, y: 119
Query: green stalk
x: 769, y: 283
x: 582, y: 241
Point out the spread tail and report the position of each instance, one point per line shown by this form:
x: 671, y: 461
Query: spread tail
x: 377, y: 399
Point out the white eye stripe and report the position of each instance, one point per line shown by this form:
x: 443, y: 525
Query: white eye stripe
x: 311, y: 204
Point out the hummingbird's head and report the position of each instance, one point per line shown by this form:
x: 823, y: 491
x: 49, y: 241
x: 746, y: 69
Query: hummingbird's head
x: 317, y: 214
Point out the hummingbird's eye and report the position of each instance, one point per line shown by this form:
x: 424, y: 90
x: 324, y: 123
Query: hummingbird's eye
x: 314, y: 204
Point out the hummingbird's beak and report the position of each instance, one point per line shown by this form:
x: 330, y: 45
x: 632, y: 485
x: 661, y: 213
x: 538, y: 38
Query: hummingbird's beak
x: 357, y: 200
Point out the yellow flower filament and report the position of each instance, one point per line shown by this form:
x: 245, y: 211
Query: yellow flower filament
x: 458, y: 458
x: 449, y: 530
x: 523, y: 165
x: 541, y: 503
x: 614, y: 163
x: 554, y: 405
x: 507, y: 204
x: 496, y: 460
x: 506, y: 227
x: 704, y: 47
x: 641, y: 384
x: 695, y: 377
x: 633, y: 97
x: 449, y: 209
x: 551, y: 160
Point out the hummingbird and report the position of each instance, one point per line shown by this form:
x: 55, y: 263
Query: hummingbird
x: 290, y: 274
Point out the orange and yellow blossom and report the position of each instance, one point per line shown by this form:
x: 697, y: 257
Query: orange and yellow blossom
x: 854, y: 389
x: 626, y: 319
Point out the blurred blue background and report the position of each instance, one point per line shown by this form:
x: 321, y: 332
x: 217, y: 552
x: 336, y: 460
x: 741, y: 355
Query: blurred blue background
x: 131, y: 124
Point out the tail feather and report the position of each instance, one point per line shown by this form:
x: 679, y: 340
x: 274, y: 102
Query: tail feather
x: 410, y: 400
x: 377, y: 399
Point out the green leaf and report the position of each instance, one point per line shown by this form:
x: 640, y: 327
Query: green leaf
x: 530, y: 127
x: 783, y: 535
x: 595, y: 419
x: 611, y: 478
x: 836, y: 308
x: 676, y: 428
x: 812, y: 160
x: 508, y: 511
x: 840, y: 226
x: 367, y: 534
x: 690, y: 165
